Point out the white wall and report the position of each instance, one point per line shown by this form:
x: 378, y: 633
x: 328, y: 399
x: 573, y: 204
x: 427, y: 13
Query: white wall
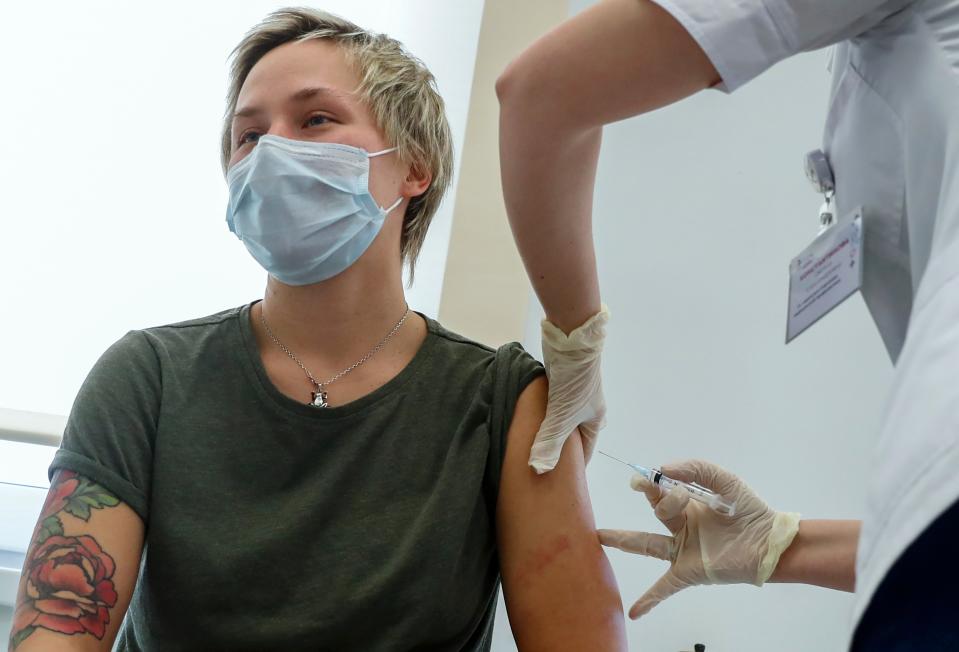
x: 698, y: 210
x: 113, y: 212
x: 26, y: 465
x: 6, y: 622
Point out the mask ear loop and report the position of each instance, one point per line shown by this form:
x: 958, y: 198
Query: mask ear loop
x: 382, y: 151
x: 386, y: 211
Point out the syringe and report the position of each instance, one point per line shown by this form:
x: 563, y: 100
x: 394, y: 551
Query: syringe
x: 697, y: 492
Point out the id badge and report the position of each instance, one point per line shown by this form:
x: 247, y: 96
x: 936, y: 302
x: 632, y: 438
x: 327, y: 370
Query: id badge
x: 825, y: 274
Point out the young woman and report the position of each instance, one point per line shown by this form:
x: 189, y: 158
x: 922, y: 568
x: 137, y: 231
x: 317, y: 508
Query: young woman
x: 322, y: 469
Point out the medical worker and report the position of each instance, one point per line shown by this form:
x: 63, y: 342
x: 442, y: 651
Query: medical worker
x: 890, y: 148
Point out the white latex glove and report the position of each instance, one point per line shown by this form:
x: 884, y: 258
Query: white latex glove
x: 575, y: 389
x: 706, y: 547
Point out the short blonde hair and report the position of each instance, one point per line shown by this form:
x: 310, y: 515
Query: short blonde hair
x: 398, y: 88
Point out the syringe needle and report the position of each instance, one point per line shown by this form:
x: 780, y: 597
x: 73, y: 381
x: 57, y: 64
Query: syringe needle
x: 614, y: 458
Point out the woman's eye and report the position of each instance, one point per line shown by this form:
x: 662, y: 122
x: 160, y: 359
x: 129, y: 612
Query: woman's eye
x: 316, y: 120
x: 249, y: 137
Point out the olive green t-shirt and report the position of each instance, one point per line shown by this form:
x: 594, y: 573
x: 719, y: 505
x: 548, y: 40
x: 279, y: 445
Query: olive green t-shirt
x: 273, y: 525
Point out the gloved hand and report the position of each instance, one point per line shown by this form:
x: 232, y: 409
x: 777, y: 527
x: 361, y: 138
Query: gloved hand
x: 575, y: 389
x: 706, y: 547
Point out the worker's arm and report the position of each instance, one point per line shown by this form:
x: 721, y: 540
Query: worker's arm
x: 617, y: 59
x: 822, y: 554
x: 80, y: 569
x: 559, y: 589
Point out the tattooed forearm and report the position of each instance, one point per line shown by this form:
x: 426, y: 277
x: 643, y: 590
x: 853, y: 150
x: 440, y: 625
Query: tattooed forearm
x: 68, y: 586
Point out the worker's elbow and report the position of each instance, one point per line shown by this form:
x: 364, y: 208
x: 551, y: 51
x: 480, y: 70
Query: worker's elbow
x: 521, y: 82
x: 507, y: 83
x: 530, y: 100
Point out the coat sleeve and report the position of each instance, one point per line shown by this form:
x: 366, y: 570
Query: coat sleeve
x: 744, y: 38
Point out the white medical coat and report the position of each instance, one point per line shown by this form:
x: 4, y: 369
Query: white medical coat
x: 892, y: 137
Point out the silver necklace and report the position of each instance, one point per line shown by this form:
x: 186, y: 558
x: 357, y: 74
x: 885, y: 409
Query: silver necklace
x: 318, y: 396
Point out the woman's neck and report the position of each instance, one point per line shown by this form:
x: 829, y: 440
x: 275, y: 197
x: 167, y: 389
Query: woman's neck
x: 337, y: 321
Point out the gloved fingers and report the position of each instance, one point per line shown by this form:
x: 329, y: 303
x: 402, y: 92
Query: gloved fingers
x: 544, y: 456
x: 590, y: 434
x: 560, y: 421
x: 705, y: 474
x: 639, y: 482
x: 671, y: 509
x: 575, y: 398
x: 657, y: 546
x: 667, y: 586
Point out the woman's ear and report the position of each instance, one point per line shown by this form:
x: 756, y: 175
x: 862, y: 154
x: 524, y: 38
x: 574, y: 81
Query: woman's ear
x: 417, y: 180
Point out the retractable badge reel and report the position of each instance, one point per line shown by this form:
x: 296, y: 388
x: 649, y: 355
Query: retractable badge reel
x: 829, y: 270
x: 819, y: 173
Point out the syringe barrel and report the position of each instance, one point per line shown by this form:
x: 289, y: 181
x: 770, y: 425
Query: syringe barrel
x: 709, y: 498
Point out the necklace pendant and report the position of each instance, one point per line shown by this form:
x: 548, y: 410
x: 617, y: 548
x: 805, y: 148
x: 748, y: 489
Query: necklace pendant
x: 318, y: 399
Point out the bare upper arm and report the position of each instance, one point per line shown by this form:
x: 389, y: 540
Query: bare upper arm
x: 627, y: 56
x: 559, y: 589
x: 80, y: 569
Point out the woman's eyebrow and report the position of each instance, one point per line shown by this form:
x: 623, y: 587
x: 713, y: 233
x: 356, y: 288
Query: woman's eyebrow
x: 301, y: 95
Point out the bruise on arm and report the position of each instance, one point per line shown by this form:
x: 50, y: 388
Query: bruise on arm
x: 79, y: 571
x: 559, y: 588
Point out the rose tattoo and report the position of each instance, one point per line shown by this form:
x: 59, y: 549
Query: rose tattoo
x: 69, y: 586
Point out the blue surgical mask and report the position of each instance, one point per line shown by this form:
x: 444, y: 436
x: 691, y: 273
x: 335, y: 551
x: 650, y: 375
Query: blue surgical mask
x: 304, y: 209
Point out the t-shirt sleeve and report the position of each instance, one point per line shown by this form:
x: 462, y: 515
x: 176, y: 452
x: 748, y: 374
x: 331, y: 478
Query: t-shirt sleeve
x: 513, y: 370
x: 744, y: 38
x: 110, y: 434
